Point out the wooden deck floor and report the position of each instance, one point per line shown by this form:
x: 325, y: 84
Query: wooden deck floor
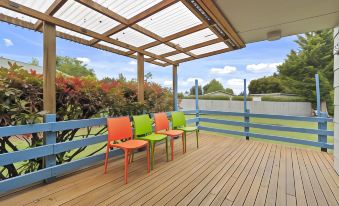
x: 223, y: 171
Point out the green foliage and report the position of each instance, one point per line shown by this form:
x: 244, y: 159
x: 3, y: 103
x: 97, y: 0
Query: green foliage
x: 282, y: 99
x: 34, y: 62
x: 208, y: 97
x: 315, y: 56
x: 192, y: 90
x: 266, y: 85
x: 229, y: 91
x: 73, y: 67
x: 241, y: 98
x: 213, y: 86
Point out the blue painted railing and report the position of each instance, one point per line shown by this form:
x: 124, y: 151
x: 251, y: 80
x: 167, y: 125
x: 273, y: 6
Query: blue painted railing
x: 51, y: 148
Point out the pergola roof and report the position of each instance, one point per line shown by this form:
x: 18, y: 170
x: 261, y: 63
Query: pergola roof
x: 167, y: 32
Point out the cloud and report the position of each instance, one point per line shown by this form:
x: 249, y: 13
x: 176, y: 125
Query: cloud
x: 235, y: 82
x: 85, y: 60
x: 168, y: 83
x: 8, y: 42
x: 262, y: 67
x: 225, y: 70
x: 133, y: 62
x: 191, y: 81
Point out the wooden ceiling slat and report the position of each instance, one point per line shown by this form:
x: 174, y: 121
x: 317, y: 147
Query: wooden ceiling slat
x: 56, y: 5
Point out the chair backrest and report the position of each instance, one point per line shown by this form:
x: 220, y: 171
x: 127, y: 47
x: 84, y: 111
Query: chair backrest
x: 119, y: 128
x: 161, y: 121
x: 178, y: 119
x: 142, y: 125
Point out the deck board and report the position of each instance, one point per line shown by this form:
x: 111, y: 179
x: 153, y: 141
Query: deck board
x: 223, y: 171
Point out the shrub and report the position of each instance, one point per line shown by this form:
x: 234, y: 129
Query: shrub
x: 208, y: 97
x: 241, y: 98
x: 282, y: 99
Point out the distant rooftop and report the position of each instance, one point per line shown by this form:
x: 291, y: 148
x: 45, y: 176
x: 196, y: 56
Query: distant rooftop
x: 25, y: 66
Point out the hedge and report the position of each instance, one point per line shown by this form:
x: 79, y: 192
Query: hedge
x: 282, y: 99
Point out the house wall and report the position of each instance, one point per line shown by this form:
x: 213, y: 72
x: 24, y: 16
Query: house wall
x: 336, y: 100
x: 283, y: 108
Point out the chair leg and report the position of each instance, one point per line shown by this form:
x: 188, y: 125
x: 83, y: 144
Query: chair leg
x: 148, y: 159
x: 126, y: 166
x: 106, y: 159
x: 183, y: 143
x: 152, y: 154
x: 197, y: 136
x: 132, y: 157
x: 166, y: 148
x: 172, y: 147
x: 185, y: 135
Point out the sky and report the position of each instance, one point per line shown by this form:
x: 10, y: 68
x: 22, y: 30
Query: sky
x: 254, y: 61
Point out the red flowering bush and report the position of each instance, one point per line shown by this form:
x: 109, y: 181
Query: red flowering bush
x: 21, y: 102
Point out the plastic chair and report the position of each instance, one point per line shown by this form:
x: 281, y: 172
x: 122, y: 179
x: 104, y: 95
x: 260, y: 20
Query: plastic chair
x: 162, y: 127
x: 179, y: 122
x: 118, y: 129
x: 143, y: 130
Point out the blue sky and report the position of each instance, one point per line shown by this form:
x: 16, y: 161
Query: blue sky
x: 256, y: 60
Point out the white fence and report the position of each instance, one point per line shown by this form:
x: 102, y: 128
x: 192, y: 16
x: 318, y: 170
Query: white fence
x: 282, y: 108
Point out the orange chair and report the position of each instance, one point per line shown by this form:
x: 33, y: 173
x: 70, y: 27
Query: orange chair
x: 118, y: 129
x: 162, y: 127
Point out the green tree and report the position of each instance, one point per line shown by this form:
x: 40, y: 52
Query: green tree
x: 148, y: 76
x: 192, y: 90
x: 229, y: 91
x: 315, y: 55
x: 34, y: 62
x: 271, y: 84
x: 73, y: 67
x: 212, y: 86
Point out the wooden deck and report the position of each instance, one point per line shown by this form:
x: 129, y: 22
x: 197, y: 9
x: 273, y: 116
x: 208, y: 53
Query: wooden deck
x: 223, y: 171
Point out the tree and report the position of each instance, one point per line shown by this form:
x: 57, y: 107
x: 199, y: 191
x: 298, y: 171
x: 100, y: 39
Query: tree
x: 271, y: 84
x: 192, y: 90
x: 229, y: 91
x: 34, y: 62
x: 314, y: 56
x: 148, y: 76
x: 73, y: 67
x: 212, y: 86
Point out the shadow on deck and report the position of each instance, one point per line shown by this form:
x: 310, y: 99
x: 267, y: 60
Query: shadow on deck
x: 223, y: 171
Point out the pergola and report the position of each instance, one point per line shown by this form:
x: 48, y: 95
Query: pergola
x: 169, y: 32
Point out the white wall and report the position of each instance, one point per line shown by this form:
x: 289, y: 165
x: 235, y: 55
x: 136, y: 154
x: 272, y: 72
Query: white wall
x: 336, y: 101
x: 283, y: 108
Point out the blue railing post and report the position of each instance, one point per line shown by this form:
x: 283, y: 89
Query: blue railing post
x: 322, y: 125
x: 317, y: 89
x: 197, y: 102
x: 49, y: 138
x: 246, y: 112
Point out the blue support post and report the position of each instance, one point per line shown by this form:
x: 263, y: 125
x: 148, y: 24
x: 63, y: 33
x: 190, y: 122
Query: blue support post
x: 317, y: 87
x: 197, y: 102
x: 246, y: 112
x: 49, y: 138
x: 322, y: 125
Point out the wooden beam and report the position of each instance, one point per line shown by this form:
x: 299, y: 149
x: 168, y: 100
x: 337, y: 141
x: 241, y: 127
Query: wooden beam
x: 42, y: 16
x: 49, y: 67
x: 139, y: 17
x: 55, y: 6
x: 141, y: 74
x: 204, y: 55
x: 213, y: 11
x: 175, y: 87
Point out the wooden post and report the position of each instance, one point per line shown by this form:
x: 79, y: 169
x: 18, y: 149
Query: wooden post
x: 175, y: 87
x: 49, y: 67
x: 141, y: 80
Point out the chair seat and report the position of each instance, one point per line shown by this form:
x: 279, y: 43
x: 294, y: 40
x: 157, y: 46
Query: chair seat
x: 188, y: 129
x: 172, y: 133
x: 131, y: 144
x: 153, y: 137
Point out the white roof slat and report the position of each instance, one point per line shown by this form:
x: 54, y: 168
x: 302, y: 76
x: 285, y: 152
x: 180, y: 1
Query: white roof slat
x: 40, y: 6
x: 73, y: 33
x: 128, y: 8
x: 178, y: 57
x: 113, y: 46
x: 195, y: 38
x: 85, y: 17
x: 171, y: 20
x: 210, y: 48
x: 160, y: 49
x: 132, y: 37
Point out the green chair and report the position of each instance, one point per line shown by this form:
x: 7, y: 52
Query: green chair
x: 179, y: 123
x: 143, y: 131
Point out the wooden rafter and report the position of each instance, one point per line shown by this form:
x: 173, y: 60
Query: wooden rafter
x: 44, y: 17
x: 56, y: 5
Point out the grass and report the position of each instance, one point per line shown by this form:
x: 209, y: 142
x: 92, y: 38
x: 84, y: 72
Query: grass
x: 277, y: 122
